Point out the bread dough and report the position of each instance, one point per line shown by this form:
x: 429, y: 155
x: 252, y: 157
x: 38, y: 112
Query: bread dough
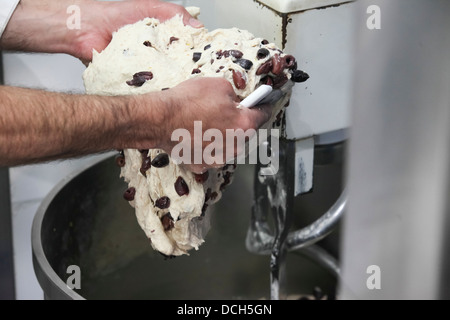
x: 170, y: 201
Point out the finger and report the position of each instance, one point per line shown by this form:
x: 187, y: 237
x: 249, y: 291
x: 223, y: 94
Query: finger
x: 258, y: 115
x: 191, y: 21
x: 190, y: 17
x: 229, y: 90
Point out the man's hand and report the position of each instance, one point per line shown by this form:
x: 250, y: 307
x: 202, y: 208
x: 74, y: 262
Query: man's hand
x: 34, y: 125
x: 41, y: 26
x: 97, y: 29
x: 209, y: 100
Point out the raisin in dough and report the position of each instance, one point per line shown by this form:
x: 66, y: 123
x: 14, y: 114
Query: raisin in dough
x: 171, y: 202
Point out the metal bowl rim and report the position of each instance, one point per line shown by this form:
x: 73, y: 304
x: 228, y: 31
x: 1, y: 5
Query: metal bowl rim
x: 46, y: 276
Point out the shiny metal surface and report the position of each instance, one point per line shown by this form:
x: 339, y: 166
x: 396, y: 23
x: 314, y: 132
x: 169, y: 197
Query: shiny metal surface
x: 399, y: 159
x: 298, y: 239
x: 261, y: 236
x: 320, y: 228
x: 273, y: 216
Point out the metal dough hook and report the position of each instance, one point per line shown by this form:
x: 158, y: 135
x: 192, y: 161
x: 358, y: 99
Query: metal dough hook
x: 276, y: 192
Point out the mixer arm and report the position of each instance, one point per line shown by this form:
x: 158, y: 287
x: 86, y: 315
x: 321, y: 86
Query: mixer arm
x: 320, y: 228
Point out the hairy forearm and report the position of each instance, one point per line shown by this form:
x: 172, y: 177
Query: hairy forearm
x: 46, y: 25
x: 37, y: 126
x: 38, y: 26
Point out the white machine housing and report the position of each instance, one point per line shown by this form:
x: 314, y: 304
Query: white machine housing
x: 320, y: 35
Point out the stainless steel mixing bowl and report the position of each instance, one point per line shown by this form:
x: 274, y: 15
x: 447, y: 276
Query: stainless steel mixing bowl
x: 86, y: 222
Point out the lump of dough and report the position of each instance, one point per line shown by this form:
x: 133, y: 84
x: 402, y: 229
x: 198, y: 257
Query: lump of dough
x: 171, y: 202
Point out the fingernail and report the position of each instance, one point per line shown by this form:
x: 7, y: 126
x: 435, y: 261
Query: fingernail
x: 195, y: 23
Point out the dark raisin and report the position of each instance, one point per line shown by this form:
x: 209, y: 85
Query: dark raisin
x: 264, y: 42
x: 278, y: 64
x: 279, y: 81
x: 279, y: 116
x: 161, y: 160
x: 196, y: 71
x: 167, y: 222
x: 146, y: 165
x: 208, y: 194
x: 244, y: 63
x: 239, y: 80
x: 236, y: 54
x: 299, y: 76
x: 201, y: 178
x: 129, y: 194
x: 147, y: 43
x: 294, y: 67
x: 181, y: 187
x: 264, y: 68
x: 120, y: 160
x: 233, y: 53
x: 267, y: 80
x: 163, y: 203
x: 144, y: 153
x: 289, y: 61
x: 204, y: 208
x: 207, y: 47
x: 262, y: 53
x: 140, y: 78
x: 219, y: 54
x: 172, y: 39
x: 196, y: 56
x: 227, y: 180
